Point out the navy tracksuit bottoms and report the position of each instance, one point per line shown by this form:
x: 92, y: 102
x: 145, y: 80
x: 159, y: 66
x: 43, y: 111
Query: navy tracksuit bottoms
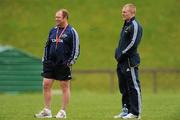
x: 129, y: 86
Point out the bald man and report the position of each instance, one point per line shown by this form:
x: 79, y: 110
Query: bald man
x: 61, y: 52
x: 128, y: 60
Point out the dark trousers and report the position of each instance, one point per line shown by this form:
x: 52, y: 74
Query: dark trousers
x: 129, y: 86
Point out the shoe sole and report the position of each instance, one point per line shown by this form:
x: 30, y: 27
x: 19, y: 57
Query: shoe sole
x: 43, y: 117
x: 117, y: 117
x: 138, y: 118
x: 59, y: 118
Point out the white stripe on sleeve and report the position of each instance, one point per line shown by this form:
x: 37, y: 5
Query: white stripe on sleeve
x: 134, y: 37
x: 75, y: 52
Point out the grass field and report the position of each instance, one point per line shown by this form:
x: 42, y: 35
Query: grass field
x: 86, y: 105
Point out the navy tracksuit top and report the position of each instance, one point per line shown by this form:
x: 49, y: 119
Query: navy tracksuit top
x: 67, y: 50
x: 130, y: 38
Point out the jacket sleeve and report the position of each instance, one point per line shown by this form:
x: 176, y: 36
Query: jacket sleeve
x: 119, y: 56
x: 134, y: 38
x: 46, y: 48
x: 75, y: 48
x: 118, y: 51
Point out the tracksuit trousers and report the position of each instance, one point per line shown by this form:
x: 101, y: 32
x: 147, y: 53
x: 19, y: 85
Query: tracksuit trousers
x: 129, y: 86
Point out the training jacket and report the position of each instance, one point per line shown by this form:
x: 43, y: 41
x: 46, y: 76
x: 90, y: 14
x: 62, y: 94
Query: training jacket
x: 67, y: 50
x: 130, y: 38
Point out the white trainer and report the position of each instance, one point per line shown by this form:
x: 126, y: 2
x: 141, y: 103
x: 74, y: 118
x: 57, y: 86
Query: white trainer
x: 45, y: 113
x: 122, y: 114
x: 131, y: 116
x: 61, y: 114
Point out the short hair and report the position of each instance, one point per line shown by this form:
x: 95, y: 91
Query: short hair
x: 132, y: 7
x: 65, y: 13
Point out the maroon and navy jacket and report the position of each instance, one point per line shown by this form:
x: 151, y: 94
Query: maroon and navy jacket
x: 68, y: 48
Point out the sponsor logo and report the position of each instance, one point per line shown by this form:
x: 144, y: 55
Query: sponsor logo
x: 54, y: 40
x: 63, y: 36
x: 61, y: 39
x: 127, y: 29
x: 127, y: 70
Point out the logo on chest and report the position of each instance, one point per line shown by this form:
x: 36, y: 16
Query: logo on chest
x: 61, y: 38
x: 127, y: 29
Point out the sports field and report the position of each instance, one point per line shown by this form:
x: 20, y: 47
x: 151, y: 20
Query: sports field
x: 25, y: 25
x: 86, y: 105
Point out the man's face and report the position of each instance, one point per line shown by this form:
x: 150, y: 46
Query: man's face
x: 59, y: 18
x: 126, y: 13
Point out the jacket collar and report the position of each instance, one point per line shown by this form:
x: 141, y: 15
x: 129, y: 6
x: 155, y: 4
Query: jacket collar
x: 127, y: 23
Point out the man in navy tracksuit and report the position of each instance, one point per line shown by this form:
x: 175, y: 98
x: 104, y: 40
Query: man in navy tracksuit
x: 128, y: 60
x: 61, y: 51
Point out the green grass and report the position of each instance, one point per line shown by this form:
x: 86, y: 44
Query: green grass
x: 86, y: 105
x: 25, y: 25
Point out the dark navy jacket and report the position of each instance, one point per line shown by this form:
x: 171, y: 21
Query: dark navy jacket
x: 130, y: 38
x: 67, y: 50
